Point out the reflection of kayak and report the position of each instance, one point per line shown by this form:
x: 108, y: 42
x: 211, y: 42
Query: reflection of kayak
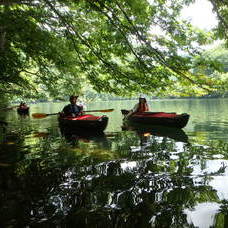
x: 91, y: 137
x: 23, y: 110
x: 159, y: 118
x: 83, y: 136
x: 174, y: 133
x: 88, y: 123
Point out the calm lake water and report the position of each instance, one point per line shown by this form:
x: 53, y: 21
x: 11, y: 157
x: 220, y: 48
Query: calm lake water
x: 119, y: 179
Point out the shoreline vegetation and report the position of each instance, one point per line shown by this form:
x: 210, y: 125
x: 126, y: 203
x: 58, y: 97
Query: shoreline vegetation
x: 84, y: 99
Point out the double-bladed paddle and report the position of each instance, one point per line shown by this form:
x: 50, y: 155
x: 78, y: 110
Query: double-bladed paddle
x: 43, y: 115
x: 9, y: 108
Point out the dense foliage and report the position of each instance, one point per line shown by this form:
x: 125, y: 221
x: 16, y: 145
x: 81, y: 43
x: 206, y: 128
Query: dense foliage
x: 53, y: 48
x: 220, y: 7
x: 218, y: 53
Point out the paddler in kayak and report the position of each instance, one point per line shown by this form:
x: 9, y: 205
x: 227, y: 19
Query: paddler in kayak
x: 23, y: 105
x: 140, y: 107
x: 72, y: 109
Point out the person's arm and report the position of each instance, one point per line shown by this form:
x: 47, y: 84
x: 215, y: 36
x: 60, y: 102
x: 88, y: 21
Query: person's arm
x: 135, y: 109
x: 64, y: 109
x: 80, y: 110
x: 147, y: 108
x: 132, y: 111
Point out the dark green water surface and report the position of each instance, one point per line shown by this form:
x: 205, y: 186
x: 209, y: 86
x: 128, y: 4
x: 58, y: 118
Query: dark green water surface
x: 123, y: 178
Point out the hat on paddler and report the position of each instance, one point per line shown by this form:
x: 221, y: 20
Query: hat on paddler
x: 73, y: 96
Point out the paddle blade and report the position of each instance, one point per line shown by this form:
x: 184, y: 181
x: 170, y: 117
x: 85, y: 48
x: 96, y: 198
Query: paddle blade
x: 39, y: 115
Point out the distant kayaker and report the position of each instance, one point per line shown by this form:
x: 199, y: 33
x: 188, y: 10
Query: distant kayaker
x: 72, y: 109
x: 23, y: 105
x: 140, y: 107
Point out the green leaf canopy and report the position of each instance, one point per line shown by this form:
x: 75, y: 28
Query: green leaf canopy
x: 118, y: 47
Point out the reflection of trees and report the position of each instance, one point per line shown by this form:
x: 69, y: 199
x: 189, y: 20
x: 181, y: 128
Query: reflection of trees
x: 130, y: 181
x: 133, y: 198
x: 11, y: 152
x: 205, y: 130
x: 222, y: 217
x: 10, y: 148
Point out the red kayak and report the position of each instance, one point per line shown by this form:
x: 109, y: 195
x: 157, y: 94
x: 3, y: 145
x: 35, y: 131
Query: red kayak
x: 84, y: 123
x: 159, y: 118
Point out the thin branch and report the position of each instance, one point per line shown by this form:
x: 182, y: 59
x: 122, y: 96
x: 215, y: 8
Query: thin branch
x: 26, y: 71
x: 122, y: 33
x: 18, y: 2
x: 85, y: 42
x: 161, y: 58
x: 223, y: 22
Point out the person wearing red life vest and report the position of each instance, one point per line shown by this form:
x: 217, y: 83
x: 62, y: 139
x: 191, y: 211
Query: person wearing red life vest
x: 140, y: 107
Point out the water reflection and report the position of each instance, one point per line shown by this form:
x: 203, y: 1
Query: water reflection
x: 131, y: 178
x: 218, y: 129
x: 143, y: 130
x: 203, y: 215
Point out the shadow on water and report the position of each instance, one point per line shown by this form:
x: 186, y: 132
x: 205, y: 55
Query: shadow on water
x: 74, y: 137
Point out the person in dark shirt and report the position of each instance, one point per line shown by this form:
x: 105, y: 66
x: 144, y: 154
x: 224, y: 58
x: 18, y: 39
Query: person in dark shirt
x: 23, y: 105
x: 72, y: 109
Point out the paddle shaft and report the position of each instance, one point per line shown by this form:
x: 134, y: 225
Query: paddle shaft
x: 9, y: 108
x: 52, y: 114
x: 104, y: 110
x: 43, y: 115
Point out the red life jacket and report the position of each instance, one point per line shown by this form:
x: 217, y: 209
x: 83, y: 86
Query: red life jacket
x: 143, y: 107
